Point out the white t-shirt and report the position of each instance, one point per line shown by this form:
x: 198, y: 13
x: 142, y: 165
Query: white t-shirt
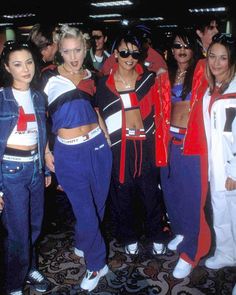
x: 26, y: 130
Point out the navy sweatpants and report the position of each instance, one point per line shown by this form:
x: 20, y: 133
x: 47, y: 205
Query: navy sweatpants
x: 181, y: 184
x: 84, y: 170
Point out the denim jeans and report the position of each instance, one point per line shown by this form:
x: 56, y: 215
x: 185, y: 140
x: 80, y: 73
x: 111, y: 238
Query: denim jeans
x: 22, y: 218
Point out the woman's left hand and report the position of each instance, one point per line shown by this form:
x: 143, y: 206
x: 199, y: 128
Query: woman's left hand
x: 230, y: 184
x: 48, y: 180
x: 49, y: 160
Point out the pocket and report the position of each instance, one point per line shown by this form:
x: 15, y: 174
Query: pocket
x: 10, y: 167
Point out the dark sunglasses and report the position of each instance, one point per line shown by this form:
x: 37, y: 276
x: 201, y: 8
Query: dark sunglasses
x: 127, y: 53
x: 97, y: 37
x: 223, y: 37
x: 179, y: 46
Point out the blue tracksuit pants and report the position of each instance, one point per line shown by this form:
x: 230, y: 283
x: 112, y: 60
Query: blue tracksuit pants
x: 83, y: 170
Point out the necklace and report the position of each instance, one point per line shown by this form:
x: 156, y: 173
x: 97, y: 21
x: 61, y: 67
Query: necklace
x: 180, y: 76
x: 219, y: 84
x: 71, y: 72
x: 127, y: 85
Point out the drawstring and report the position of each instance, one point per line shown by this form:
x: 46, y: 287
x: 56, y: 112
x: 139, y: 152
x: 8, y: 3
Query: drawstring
x: 135, y: 159
x: 141, y: 158
x: 138, y: 157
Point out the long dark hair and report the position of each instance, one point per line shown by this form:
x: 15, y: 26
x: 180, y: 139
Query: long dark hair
x: 6, y: 79
x: 188, y: 38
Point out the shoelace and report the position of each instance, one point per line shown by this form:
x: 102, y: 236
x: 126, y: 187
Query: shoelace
x: 37, y: 276
x: 90, y: 273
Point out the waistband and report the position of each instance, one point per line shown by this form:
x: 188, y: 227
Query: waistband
x: 16, y: 155
x: 138, y: 134
x: 80, y: 139
x: 177, y: 130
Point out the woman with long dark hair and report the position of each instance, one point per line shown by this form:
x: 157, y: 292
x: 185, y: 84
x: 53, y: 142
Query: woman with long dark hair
x: 22, y: 152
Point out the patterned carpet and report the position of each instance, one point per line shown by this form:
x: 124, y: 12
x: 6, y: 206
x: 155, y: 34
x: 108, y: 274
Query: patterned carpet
x: 142, y: 274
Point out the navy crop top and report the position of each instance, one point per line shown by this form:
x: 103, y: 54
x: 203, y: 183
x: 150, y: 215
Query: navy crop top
x: 68, y: 106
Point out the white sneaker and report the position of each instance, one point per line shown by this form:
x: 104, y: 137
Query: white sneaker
x: 78, y: 252
x: 158, y: 249
x: 234, y: 290
x: 182, y: 269
x: 173, y: 244
x: 92, y: 278
x: 132, y: 249
x: 217, y: 262
x: 16, y: 292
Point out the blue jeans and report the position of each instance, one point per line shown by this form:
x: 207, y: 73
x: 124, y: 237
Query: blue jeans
x: 22, y: 219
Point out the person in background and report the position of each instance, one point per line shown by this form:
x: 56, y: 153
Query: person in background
x: 97, y: 53
x: 41, y: 40
x: 137, y: 123
x: 181, y: 179
x: 149, y: 58
x: 3, y: 39
x: 82, y: 155
x: 212, y: 121
x: 205, y: 29
x: 22, y: 182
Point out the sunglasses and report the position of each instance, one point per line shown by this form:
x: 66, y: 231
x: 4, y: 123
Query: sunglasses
x: 179, y: 46
x: 127, y: 53
x: 97, y: 37
x: 223, y: 37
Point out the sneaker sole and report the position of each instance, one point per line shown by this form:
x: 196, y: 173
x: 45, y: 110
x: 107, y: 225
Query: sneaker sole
x: 131, y: 252
x: 35, y: 288
x: 161, y: 252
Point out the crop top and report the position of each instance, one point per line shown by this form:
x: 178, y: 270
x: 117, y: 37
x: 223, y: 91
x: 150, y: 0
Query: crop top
x: 176, y: 93
x: 68, y: 105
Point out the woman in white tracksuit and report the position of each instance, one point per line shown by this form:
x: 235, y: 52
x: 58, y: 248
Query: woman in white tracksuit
x: 219, y: 113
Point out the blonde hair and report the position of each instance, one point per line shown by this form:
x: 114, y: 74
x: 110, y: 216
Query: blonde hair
x: 66, y: 31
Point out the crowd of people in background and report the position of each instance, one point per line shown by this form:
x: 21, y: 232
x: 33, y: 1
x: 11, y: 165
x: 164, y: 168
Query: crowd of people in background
x: 118, y: 125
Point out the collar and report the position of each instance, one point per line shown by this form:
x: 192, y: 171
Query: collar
x: 111, y: 81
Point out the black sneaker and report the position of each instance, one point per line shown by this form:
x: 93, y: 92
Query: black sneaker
x: 38, y: 281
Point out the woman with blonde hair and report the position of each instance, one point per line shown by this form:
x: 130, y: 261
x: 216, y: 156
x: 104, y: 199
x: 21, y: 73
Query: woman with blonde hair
x: 81, y: 152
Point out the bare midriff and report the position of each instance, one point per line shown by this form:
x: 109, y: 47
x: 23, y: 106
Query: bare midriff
x: 22, y: 147
x: 133, y: 119
x: 179, y: 114
x: 76, y: 132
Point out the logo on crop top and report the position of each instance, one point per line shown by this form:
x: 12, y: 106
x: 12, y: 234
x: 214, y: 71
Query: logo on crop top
x: 24, y: 119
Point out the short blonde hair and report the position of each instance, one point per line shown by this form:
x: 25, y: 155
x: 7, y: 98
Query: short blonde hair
x: 66, y: 31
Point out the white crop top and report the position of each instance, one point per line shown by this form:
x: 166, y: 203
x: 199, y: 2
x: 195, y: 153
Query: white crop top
x: 26, y: 130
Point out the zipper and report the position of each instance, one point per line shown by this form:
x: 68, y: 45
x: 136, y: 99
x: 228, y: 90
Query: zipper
x: 38, y: 141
